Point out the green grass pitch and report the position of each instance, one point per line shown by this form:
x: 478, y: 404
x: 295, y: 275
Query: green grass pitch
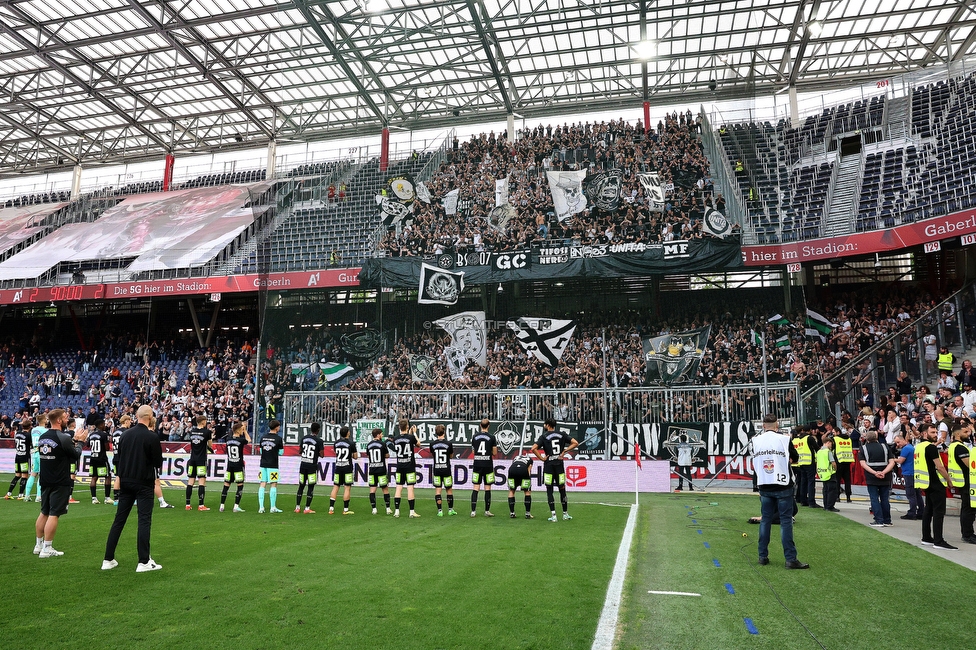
x: 244, y: 580
x: 261, y: 581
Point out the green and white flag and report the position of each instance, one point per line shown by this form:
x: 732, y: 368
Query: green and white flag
x: 814, y: 333
x: 335, y: 371
x: 778, y: 319
x: 819, y: 322
x: 756, y: 338
x: 783, y: 343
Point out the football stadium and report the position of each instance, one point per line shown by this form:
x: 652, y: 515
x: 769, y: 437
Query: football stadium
x: 366, y: 323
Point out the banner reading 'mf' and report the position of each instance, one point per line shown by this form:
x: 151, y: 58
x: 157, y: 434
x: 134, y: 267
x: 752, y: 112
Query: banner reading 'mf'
x: 674, y: 358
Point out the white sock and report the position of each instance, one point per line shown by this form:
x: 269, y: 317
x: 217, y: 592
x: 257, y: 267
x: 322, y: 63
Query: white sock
x: 162, y: 501
x: 47, y: 544
x: 39, y: 542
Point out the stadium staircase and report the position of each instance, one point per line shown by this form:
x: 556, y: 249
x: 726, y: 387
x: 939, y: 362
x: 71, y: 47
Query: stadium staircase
x: 843, y: 196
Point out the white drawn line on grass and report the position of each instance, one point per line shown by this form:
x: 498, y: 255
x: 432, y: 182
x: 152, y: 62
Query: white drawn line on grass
x: 673, y: 593
x: 606, y: 629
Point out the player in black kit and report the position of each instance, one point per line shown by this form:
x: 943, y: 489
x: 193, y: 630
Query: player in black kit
x: 235, y: 464
x: 442, y: 451
x: 98, y: 463
x: 555, y: 444
x: 22, y: 462
x: 196, y: 469
x: 404, y: 445
x: 520, y: 477
x: 377, y: 452
x: 308, y: 471
x: 124, y: 423
x: 484, y: 447
x: 345, y: 452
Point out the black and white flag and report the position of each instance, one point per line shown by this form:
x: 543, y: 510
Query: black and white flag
x: 544, y: 338
x: 456, y: 361
x: 468, y: 333
x: 422, y: 368
x: 501, y: 192
x: 451, y: 202
x: 715, y: 224
x: 673, y: 358
x: 402, y: 188
x: 567, y: 193
x: 391, y: 211
x: 654, y: 190
x: 439, y: 286
x: 499, y: 217
x: 423, y: 193
x: 603, y: 189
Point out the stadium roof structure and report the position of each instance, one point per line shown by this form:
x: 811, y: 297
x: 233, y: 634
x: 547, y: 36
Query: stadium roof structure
x: 109, y: 81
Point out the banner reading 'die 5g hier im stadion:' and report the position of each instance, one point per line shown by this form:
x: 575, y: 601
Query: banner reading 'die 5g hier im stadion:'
x: 711, y: 446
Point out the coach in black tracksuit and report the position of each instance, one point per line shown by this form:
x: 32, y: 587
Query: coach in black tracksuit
x: 140, y: 462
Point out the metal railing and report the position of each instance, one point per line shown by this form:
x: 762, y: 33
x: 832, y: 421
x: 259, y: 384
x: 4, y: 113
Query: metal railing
x: 879, y: 365
x: 610, y: 406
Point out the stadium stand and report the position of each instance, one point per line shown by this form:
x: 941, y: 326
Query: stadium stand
x: 673, y: 149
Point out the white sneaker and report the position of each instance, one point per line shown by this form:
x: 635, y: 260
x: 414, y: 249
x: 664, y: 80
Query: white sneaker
x: 488, y: 513
x: 221, y: 507
x: 260, y: 511
x: 274, y: 510
x: 238, y: 509
x: 49, y: 551
x: 566, y: 516
x: 374, y: 511
x: 389, y: 512
x: 553, y: 518
x: 166, y: 505
x: 109, y: 502
x: 148, y: 566
x: 414, y: 515
x: 474, y: 514
x: 396, y: 514
x: 108, y: 565
x: 37, y: 548
x: 95, y: 501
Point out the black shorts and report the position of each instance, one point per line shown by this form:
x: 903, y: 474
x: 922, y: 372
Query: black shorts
x: 485, y: 475
x: 98, y: 470
x: 54, y: 500
x: 406, y: 478
x: 343, y: 478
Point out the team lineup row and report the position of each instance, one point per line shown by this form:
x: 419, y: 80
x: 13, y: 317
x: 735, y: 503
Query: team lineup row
x: 50, y: 454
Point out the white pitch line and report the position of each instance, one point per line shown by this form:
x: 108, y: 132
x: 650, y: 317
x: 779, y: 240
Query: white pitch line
x: 606, y: 629
x: 673, y: 593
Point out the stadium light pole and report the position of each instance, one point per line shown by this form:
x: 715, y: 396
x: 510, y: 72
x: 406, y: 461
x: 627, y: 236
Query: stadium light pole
x: 644, y: 43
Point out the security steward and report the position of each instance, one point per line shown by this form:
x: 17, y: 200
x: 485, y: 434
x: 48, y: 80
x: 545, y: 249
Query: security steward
x: 844, y: 451
x: 946, y: 359
x: 806, y: 447
x: 932, y: 477
x: 772, y: 454
x: 959, y: 475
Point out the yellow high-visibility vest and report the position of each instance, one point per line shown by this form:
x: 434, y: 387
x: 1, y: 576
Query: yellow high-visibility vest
x: 945, y: 361
x: 803, y: 449
x: 844, y: 448
x: 825, y: 469
x: 956, y: 471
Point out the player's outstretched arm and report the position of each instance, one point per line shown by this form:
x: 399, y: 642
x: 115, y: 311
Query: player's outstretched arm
x: 573, y: 444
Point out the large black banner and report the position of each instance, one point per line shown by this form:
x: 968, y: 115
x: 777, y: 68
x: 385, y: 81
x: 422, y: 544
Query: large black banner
x: 556, y: 262
x: 706, y: 440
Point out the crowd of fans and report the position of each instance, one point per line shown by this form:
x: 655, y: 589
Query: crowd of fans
x: 673, y: 150
x: 181, y: 381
